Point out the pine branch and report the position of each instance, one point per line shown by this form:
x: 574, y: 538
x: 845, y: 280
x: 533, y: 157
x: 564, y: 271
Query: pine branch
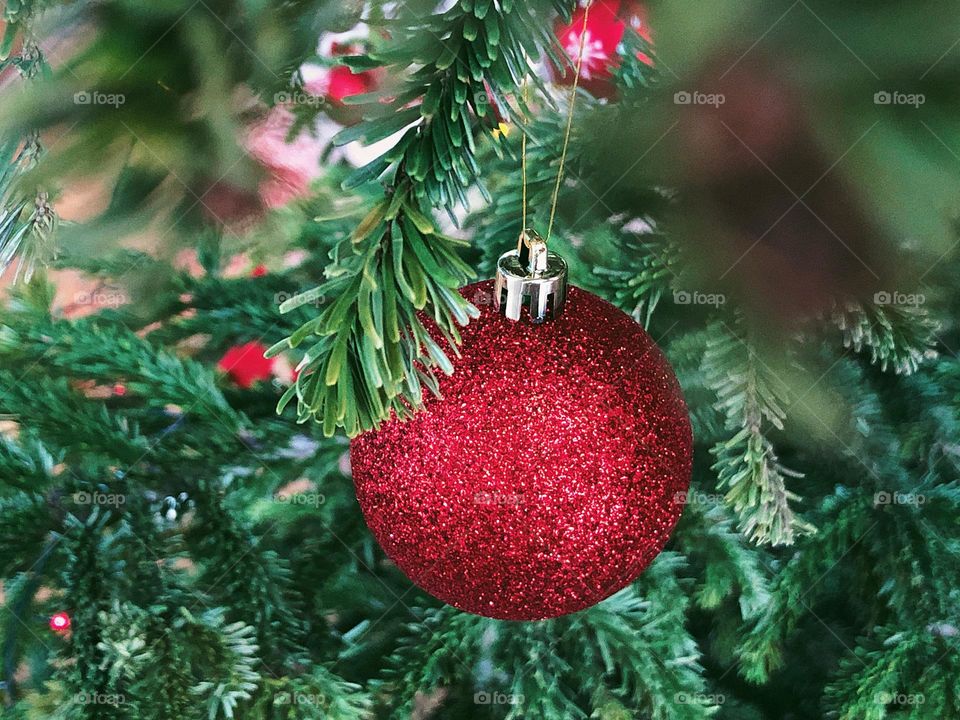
x: 650, y: 663
x: 109, y: 353
x: 25, y: 465
x: 473, y: 46
x: 24, y: 525
x: 900, y: 338
x: 685, y: 352
x: 315, y: 695
x: 19, y: 590
x: 252, y: 583
x: 87, y: 571
x: 231, y: 310
x: 647, y: 273
x: 885, y: 507
x: 891, y: 675
x: 731, y: 568
x: 228, y: 654
x: 427, y: 655
x: 633, y: 73
x: 122, y: 643
x: 64, y: 419
x: 374, y: 354
x: 166, y: 678
x: 143, y: 644
x: 640, y: 631
x: 752, y: 400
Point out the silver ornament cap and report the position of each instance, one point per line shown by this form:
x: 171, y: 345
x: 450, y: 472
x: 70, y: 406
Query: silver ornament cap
x: 531, y: 271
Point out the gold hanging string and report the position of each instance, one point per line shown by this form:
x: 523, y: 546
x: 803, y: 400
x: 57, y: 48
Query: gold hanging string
x: 566, y: 135
x: 523, y: 155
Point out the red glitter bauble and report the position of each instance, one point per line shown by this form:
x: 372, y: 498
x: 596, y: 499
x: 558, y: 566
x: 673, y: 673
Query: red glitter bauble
x: 547, y: 476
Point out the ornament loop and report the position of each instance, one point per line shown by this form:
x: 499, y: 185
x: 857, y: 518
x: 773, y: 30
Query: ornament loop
x: 533, y: 252
x: 530, y: 271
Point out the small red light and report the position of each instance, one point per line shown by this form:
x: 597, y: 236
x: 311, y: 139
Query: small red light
x: 59, y: 622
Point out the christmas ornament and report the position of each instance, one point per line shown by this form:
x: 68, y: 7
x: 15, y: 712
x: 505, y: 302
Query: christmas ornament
x: 553, y: 467
x: 60, y: 622
x: 246, y: 365
x: 602, y: 35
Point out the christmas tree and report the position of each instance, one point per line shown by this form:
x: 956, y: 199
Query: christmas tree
x: 234, y: 235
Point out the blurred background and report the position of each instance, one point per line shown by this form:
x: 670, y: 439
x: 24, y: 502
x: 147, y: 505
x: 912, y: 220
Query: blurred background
x: 770, y: 188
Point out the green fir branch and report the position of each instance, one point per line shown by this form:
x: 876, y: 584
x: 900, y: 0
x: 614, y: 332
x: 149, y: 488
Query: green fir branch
x: 752, y: 399
x: 730, y: 569
x: 890, y: 675
x: 252, y: 583
x: 649, y: 663
x: 109, y: 353
x: 372, y: 351
x: 375, y: 355
x: 228, y: 654
x: 475, y: 49
x: 898, y: 338
x: 315, y: 695
x: 646, y: 274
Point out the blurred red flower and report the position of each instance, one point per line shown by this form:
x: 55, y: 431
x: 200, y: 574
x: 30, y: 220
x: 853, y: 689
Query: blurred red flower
x: 292, y: 165
x: 339, y: 82
x: 606, y: 25
x: 246, y: 365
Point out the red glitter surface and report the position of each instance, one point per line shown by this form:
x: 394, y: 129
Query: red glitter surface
x: 549, y: 474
